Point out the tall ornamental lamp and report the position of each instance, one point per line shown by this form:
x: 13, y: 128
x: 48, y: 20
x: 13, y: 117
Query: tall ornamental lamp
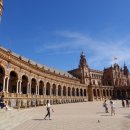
x: 1, y: 8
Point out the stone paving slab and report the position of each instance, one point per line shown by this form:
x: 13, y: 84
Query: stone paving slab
x: 76, y: 116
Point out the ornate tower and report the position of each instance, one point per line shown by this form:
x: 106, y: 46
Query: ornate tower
x: 83, y: 61
x: 126, y: 71
x: 83, y: 66
x: 1, y: 7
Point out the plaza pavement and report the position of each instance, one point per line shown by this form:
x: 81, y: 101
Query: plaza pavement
x: 74, y: 116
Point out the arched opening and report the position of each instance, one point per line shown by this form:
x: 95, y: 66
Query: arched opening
x: 81, y: 92
x: 2, y: 75
x: 48, y: 87
x: 104, y: 93
x: 77, y: 92
x: 123, y: 94
x: 33, y: 86
x: 85, y: 92
x: 54, y: 90
x: 114, y: 93
x: 73, y: 92
x: 119, y: 96
x: 41, y: 86
x: 98, y: 92
x: 94, y: 92
x: 13, y: 82
x: 69, y: 91
x: 107, y: 93
x: 110, y: 92
x: 64, y: 91
x: 59, y: 90
x: 128, y: 92
x: 24, y: 84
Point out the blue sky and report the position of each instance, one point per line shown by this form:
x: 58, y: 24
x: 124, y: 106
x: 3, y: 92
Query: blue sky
x: 54, y: 32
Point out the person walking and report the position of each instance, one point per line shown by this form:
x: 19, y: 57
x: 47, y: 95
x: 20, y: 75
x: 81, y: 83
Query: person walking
x: 2, y: 105
x: 48, y: 106
x: 123, y: 103
x: 105, y: 105
x: 127, y: 103
x: 112, y: 105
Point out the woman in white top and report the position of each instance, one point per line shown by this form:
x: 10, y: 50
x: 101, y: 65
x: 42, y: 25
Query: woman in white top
x: 112, y: 105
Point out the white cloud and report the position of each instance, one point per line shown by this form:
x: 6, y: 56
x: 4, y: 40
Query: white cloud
x: 101, y: 52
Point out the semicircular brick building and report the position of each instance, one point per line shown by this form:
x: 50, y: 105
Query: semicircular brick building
x: 26, y: 83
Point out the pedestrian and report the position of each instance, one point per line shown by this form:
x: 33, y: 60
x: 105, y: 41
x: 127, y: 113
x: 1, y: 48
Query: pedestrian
x: 112, y: 105
x: 127, y: 103
x: 123, y: 103
x: 2, y: 102
x: 48, y: 106
x: 105, y: 105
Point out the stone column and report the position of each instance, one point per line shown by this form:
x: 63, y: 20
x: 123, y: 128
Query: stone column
x: 66, y: 91
x: 17, y: 86
x: 105, y: 93
x: 61, y: 91
x: 20, y: 91
x: 109, y: 93
x: 50, y: 90
x: 83, y: 92
x: 7, y: 85
x: 36, y: 89
x: 102, y: 93
x: 78, y: 93
x: 45, y: 91
x: 101, y: 97
x: 28, y: 86
x: 4, y: 83
x: 56, y: 91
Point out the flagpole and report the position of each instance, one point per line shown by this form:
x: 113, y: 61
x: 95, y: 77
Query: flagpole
x: 115, y: 59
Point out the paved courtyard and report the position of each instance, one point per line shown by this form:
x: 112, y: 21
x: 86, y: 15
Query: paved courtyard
x: 76, y: 116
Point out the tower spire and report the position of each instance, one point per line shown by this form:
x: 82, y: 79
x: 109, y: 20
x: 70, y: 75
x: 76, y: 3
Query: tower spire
x: 126, y: 71
x: 83, y: 61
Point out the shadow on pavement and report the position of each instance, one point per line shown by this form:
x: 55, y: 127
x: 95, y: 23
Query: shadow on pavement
x: 105, y: 115
x: 38, y: 119
x: 127, y: 116
x: 99, y: 112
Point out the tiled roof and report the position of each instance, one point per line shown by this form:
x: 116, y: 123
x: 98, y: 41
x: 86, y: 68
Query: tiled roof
x: 50, y: 69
